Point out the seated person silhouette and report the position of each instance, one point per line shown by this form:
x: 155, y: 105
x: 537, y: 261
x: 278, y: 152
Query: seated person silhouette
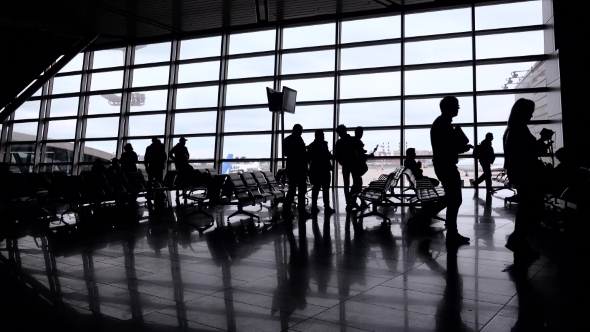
x: 416, y: 167
x: 98, y: 167
x: 115, y: 166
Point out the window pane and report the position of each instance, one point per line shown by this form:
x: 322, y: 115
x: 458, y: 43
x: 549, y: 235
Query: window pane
x: 425, y: 111
x: 371, y: 56
x: 370, y: 85
x: 308, y: 62
x: 110, y: 103
x: 108, y: 80
x: 455, y: 49
x: 63, y: 129
x: 312, y: 88
x: 383, y: 113
x: 147, y: 125
x: 59, y: 153
x: 28, y: 110
x: 252, y: 42
x: 196, y: 97
x: 104, y: 150
x: 108, y: 58
x: 251, y: 67
x: 497, y: 77
x: 195, y: 123
x: 26, y: 131
x: 247, y: 94
x: 149, y: 100
x: 22, y: 154
x: 311, y: 117
x: 250, y: 146
x: 198, y: 72
x: 443, y: 80
x: 200, y: 48
x: 510, y: 44
x: 66, y: 84
x: 151, y: 76
x: 438, y: 22
x: 315, y: 35
x: 102, y: 127
x: 419, y: 139
x: 258, y: 119
x: 509, y: 15
x: 74, y: 65
x: 497, y: 132
x: 200, y: 147
x: 64, y: 107
x: 494, y: 108
x: 152, y: 53
x: 371, y: 29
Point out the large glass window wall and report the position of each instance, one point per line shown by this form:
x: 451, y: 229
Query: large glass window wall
x: 372, y: 72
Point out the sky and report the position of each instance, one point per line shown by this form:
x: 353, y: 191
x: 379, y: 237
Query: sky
x: 418, y: 112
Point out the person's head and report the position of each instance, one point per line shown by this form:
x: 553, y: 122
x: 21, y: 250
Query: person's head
x: 128, y: 147
x: 358, y: 132
x: 155, y: 140
x: 341, y: 130
x: 489, y: 136
x: 297, y: 129
x: 521, y: 113
x: 319, y: 135
x: 411, y: 153
x: 115, y: 161
x: 449, y: 106
x: 182, y: 141
x: 563, y: 155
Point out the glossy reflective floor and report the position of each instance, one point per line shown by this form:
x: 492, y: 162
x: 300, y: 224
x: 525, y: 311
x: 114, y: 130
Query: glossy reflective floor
x: 128, y: 270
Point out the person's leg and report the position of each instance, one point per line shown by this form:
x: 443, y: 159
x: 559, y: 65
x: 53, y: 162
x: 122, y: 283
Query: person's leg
x: 487, y: 174
x: 301, y: 191
x: 315, y: 191
x: 482, y: 177
x: 451, y: 181
x: 346, y: 183
x: 326, y: 179
x: 291, y: 192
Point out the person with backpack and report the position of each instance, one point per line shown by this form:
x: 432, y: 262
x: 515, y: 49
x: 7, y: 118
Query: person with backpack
x: 484, y: 152
x: 155, y: 161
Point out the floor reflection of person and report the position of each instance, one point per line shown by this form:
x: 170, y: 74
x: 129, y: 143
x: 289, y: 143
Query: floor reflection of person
x: 322, y: 253
x: 521, y: 153
x: 531, y: 305
x: 447, y: 144
x: 320, y: 171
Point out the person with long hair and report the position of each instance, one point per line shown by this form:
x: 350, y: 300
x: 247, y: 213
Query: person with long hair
x: 523, y: 167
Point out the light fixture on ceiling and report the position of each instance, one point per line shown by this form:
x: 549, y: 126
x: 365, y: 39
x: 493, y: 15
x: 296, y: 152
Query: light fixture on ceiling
x: 261, y: 10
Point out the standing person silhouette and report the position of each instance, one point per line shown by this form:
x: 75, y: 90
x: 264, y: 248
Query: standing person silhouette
x: 294, y: 149
x: 521, y: 153
x: 179, y: 154
x: 485, y: 154
x: 346, y: 155
x: 361, y: 164
x: 128, y: 159
x: 446, y: 147
x: 155, y: 161
x: 320, y: 171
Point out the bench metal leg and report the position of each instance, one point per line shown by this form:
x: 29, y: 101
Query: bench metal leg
x: 241, y: 211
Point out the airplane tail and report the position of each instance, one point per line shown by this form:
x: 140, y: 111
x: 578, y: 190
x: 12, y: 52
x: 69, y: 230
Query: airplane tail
x: 226, y: 166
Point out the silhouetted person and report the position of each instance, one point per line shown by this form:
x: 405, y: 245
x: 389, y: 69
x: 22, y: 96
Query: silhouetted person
x: 532, y: 315
x: 98, y: 167
x: 320, y: 171
x: 128, y: 159
x: 416, y: 167
x: 346, y: 154
x: 361, y: 164
x: 447, y: 144
x: 185, y: 170
x: 179, y: 154
x: 155, y: 161
x: 521, y: 152
x: 296, y: 169
x: 486, y: 156
x: 115, y: 166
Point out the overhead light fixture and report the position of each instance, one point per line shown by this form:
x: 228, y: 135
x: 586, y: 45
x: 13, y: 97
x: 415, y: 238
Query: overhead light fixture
x: 261, y: 10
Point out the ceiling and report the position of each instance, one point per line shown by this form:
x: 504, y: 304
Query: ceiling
x: 130, y: 21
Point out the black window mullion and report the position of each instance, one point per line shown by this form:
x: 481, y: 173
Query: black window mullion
x: 223, y: 65
x: 276, y: 117
x: 336, y: 115
x: 125, y: 98
x: 474, y: 57
x: 171, y: 102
